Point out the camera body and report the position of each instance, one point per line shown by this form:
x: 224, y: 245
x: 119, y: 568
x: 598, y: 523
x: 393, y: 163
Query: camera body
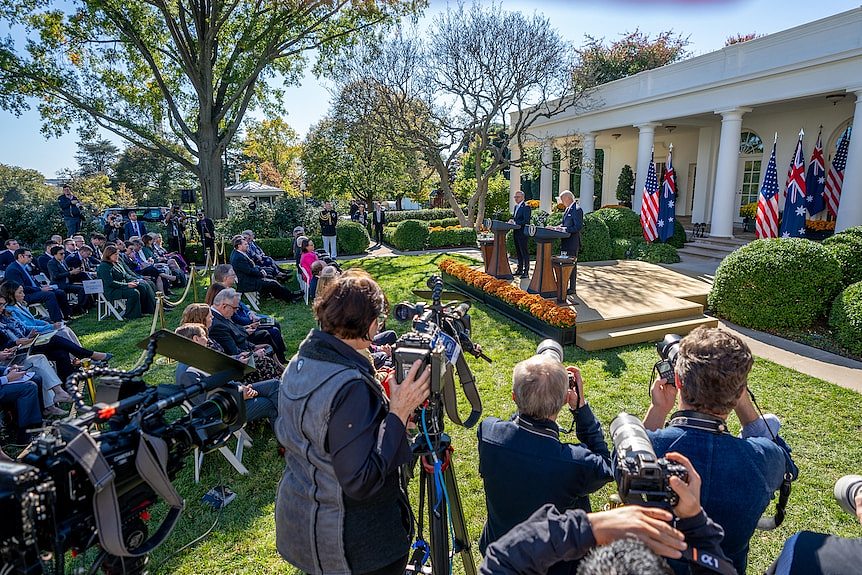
x: 643, y: 478
x: 668, y: 350
x: 846, y: 490
x: 48, y: 498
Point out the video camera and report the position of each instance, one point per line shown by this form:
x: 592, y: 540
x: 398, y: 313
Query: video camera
x: 644, y: 479
x: 90, y: 480
x: 441, y: 332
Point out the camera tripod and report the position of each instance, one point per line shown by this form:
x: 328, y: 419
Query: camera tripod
x: 445, y: 512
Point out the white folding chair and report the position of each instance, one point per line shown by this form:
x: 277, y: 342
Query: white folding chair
x: 39, y: 311
x: 306, y: 282
x: 103, y: 306
x: 253, y: 298
x: 243, y: 440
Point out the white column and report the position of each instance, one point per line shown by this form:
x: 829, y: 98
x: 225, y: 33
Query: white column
x: 850, y: 206
x: 724, y: 194
x: 701, y: 190
x: 563, y: 184
x: 588, y: 171
x: 547, y: 177
x: 514, y: 173
x: 645, y: 143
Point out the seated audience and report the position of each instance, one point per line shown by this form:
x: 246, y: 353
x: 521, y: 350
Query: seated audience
x: 251, y: 278
x: 623, y: 541
x: 17, y: 306
x: 261, y: 397
x: 54, y: 299
x: 743, y: 473
x: 298, y: 236
x: 147, y: 268
x: 7, y: 256
x: 97, y: 244
x: 163, y: 254
x: 525, y: 455
x: 258, y: 256
x: 19, y: 389
x: 68, y: 279
x: 52, y: 392
x: 121, y: 284
x: 167, y: 265
x: 326, y: 279
x: 43, y: 259
x: 308, y: 257
x: 316, y: 268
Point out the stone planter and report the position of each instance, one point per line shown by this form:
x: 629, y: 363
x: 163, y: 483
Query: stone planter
x: 563, y: 335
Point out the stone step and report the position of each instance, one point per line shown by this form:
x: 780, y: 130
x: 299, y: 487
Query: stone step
x: 640, y: 333
x: 702, y: 253
x: 705, y: 245
x: 735, y: 242
x: 681, y: 309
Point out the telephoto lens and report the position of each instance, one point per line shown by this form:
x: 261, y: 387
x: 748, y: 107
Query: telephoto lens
x: 552, y: 347
x: 846, y: 490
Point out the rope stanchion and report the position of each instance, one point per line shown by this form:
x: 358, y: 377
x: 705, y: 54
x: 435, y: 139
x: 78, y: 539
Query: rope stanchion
x: 186, y: 290
x: 158, y: 313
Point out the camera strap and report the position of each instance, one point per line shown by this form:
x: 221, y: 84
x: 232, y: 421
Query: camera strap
x: 150, y: 461
x: 468, y: 384
x: 696, y: 420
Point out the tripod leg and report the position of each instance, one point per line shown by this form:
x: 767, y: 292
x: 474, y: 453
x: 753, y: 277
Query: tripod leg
x: 459, y: 525
x: 438, y: 526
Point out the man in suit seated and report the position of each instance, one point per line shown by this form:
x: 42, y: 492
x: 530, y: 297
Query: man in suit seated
x: 259, y: 257
x: 251, y: 278
x: 69, y: 279
x: 573, y: 221
x: 230, y: 336
x: 133, y: 227
x: 7, y: 256
x: 42, y: 260
x: 54, y: 299
x: 261, y: 398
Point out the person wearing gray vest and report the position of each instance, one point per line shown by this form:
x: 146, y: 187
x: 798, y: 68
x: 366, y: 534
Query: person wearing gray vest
x: 341, y: 505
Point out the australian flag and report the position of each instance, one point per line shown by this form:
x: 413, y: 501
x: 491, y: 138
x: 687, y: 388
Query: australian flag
x: 815, y: 181
x: 667, y: 201
x: 793, y: 220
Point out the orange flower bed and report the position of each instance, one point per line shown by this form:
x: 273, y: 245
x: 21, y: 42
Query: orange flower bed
x: 546, y: 310
x: 820, y: 225
x: 533, y: 204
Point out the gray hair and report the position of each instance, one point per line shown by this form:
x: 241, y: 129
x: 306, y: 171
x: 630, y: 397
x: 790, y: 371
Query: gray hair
x: 221, y: 271
x: 567, y: 193
x: 539, y: 385
x: 226, y: 295
x: 248, y: 233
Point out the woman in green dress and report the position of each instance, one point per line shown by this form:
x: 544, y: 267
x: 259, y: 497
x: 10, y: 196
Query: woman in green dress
x: 119, y: 284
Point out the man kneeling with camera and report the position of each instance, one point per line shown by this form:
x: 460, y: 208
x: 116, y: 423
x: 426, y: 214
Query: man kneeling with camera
x: 523, y: 463
x: 740, y: 473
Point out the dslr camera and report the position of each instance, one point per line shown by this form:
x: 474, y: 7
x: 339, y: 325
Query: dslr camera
x: 668, y: 350
x: 643, y: 478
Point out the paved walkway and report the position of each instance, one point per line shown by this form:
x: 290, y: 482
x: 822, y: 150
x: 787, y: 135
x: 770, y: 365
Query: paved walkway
x: 802, y: 358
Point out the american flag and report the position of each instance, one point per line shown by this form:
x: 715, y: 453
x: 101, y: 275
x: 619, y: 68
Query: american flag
x: 649, y: 205
x: 793, y: 220
x: 835, y: 178
x: 815, y: 181
x: 767, y: 203
x: 667, y: 201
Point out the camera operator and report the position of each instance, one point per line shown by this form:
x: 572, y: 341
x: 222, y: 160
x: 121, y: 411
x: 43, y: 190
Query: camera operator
x: 742, y: 473
x: 522, y: 461
x: 809, y: 553
x: 634, y: 535
x: 341, y: 506
x: 70, y: 207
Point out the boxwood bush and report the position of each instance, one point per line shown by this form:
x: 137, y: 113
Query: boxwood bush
x: 776, y: 283
x: 678, y: 238
x: 452, y: 237
x: 410, y: 235
x: 846, y: 318
x: 854, y: 231
x: 621, y: 248
x: 595, y: 239
x: 847, y: 249
x: 444, y: 223
x: 622, y: 222
x: 425, y: 215
x: 655, y: 253
x: 351, y: 238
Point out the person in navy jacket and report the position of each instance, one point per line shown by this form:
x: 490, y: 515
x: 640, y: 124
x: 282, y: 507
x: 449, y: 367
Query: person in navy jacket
x: 573, y: 222
x: 521, y: 215
x: 133, y: 227
x: 52, y: 298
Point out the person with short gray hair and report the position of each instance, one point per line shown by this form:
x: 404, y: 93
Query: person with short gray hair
x: 522, y: 461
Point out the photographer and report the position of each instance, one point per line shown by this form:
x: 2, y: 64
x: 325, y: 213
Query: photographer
x: 742, y: 473
x: 633, y: 535
x: 522, y: 461
x: 341, y: 506
x: 70, y: 207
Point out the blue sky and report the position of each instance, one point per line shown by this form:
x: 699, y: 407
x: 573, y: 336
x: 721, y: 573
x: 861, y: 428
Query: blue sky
x: 707, y: 22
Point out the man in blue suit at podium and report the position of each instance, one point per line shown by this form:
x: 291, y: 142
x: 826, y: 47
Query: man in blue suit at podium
x: 521, y: 215
x: 573, y: 221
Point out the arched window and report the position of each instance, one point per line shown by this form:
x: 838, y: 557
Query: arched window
x: 832, y: 145
x: 750, y: 143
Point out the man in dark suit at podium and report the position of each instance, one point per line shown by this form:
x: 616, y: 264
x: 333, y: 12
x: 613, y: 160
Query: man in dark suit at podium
x: 521, y: 214
x: 573, y: 221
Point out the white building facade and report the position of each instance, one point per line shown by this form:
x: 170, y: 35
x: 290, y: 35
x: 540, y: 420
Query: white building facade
x: 721, y: 112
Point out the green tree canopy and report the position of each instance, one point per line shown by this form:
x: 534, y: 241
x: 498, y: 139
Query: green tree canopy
x: 272, y: 150
x: 634, y: 52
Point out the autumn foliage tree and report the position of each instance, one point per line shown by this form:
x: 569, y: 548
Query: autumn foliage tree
x: 634, y: 52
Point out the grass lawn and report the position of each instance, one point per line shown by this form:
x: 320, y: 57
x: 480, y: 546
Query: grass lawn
x: 822, y: 423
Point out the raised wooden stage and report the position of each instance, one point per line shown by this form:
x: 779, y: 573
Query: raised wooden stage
x: 627, y: 301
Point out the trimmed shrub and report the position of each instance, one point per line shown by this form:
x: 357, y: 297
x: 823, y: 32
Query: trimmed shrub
x: 444, y: 223
x: 655, y: 253
x: 621, y: 222
x: 775, y: 283
x: 846, y: 318
x: 595, y: 239
x: 351, y: 238
x: 452, y: 237
x: 678, y: 238
x: 855, y: 231
x: 847, y: 249
x: 623, y: 248
x: 425, y: 215
x: 410, y: 235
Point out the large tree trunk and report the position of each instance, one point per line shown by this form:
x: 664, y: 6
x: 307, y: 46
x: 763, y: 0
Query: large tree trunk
x: 210, y: 170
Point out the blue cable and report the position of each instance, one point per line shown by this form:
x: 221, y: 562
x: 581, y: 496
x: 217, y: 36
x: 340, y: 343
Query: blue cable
x: 441, y: 487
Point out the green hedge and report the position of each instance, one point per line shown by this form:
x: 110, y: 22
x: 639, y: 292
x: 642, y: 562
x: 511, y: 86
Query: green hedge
x: 655, y: 253
x: 854, y: 231
x: 846, y: 318
x: 847, y: 249
x: 444, y: 223
x: 678, y: 238
x: 595, y: 239
x: 776, y: 283
x: 624, y: 248
x: 459, y: 237
x: 425, y: 215
x: 351, y: 238
x: 410, y: 235
x: 621, y: 222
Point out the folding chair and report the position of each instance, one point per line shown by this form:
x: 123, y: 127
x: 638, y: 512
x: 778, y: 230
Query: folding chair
x: 253, y: 298
x: 243, y: 440
x: 39, y: 311
x: 103, y: 306
x: 306, y: 282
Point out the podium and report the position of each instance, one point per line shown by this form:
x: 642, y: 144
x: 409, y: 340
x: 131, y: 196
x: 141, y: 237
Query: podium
x: 543, y: 282
x: 564, y: 266
x: 499, y: 264
x: 487, y: 247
